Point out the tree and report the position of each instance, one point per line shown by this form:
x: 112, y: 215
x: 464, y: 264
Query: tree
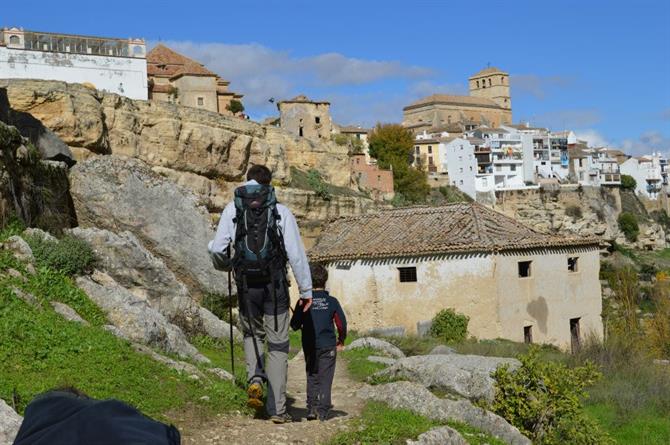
x: 628, y: 225
x: 235, y: 106
x: 628, y: 182
x: 393, y: 145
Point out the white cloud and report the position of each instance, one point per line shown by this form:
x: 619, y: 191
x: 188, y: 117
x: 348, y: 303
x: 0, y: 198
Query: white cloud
x: 261, y: 73
x: 593, y: 138
x: 647, y: 143
x: 537, y: 86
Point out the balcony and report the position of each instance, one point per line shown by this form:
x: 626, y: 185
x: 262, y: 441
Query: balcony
x: 610, y: 179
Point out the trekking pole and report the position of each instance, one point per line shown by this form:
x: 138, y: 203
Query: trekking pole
x: 230, y: 312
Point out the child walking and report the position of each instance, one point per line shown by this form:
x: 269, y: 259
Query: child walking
x: 319, y: 343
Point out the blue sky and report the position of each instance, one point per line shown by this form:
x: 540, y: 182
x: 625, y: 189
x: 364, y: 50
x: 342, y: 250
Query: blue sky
x: 601, y: 68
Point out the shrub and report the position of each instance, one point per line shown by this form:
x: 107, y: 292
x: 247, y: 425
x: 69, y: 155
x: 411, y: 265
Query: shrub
x: 219, y: 305
x: 628, y: 182
x: 450, y: 325
x: 69, y: 255
x: 235, y: 106
x: 543, y: 400
x: 628, y: 225
x: 317, y: 184
x: 573, y: 211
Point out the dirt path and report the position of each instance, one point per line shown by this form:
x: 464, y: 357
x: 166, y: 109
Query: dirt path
x: 238, y: 429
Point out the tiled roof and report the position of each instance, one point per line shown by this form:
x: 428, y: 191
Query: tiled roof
x: 412, y: 231
x: 165, y: 62
x: 353, y: 129
x: 489, y: 70
x: 454, y: 100
x: 301, y: 98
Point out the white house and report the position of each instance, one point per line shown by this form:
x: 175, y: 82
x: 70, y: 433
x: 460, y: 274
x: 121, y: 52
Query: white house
x: 458, y: 159
x: 648, y: 173
x: 114, y: 65
x: 400, y: 267
x: 593, y: 167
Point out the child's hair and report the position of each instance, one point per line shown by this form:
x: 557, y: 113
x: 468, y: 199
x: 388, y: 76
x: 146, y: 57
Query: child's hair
x: 319, y: 275
x: 260, y: 174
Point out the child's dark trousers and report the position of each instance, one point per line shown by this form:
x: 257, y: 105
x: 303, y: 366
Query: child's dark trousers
x: 320, y: 367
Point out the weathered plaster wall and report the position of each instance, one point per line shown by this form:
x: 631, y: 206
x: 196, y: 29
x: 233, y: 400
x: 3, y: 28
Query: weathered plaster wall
x: 485, y: 287
x: 126, y: 76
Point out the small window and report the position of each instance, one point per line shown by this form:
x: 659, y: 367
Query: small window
x: 317, y: 120
x: 513, y: 167
x: 524, y: 269
x: 300, y: 131
x: 460, y: 182
x: 460, y: 170
x: 575, y: 341
x: 201, y: 101
x: 528, y: 334
x: 14, y: 40
x: 407, y: 274
x: 573, y: 264
x: 477, y: 84
x: 430, y: 149
x: 490, y: 81
x: 379, y: 178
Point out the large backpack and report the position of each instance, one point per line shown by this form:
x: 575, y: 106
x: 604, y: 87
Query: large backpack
x: 260, y: 255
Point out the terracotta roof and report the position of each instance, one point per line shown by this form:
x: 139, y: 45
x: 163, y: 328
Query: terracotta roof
x: 412, y: 231
x: 165, y: 62
x: 455, y: 100
x: 356, y: 130
x: 489, y: 70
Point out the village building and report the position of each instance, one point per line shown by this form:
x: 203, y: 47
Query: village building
x: 400, y: 267
x: 175, y: 78
x: 649, y: 172
x: 370, y: 177
x: 593, y: 167
x: 306, y: 118
x: 489, y: 103
x: 107, y: 64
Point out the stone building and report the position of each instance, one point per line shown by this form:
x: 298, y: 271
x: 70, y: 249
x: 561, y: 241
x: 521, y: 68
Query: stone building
x: 306, y: 118
x: 400, y: 267
x: 178, y: 79
x: 107, y: 64
x: 489, y: 103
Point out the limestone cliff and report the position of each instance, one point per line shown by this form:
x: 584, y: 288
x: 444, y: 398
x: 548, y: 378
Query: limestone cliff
x: 577, y: 210
x: 203, y: 151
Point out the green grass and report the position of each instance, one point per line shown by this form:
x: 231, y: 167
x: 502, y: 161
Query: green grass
x: 39, y: 351
x: 300, y: 180
x: 646, y: 427
x: 380, y: 424
x: 360, y: 368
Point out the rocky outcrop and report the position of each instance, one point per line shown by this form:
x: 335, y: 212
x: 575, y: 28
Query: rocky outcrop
x: 125, y: 259
x: 468, y: 376
x: 377, y: 344
x: 123, y: 194
x: 10, y: 422
x: 68, y: 313
x: 412, y: 396
x: 172, y: 136
x: 442, y: 435
x: 134, y: 318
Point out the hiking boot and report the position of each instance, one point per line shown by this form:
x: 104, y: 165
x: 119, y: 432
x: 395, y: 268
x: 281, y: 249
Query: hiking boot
x: 282, y: 418
x: 255, y: 393
x: 312, y: 415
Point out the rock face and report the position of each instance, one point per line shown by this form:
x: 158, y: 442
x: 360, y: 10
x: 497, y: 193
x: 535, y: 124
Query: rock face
x: 466, y: 375
x: 68, y: 313
x: 10, y: 422
x: 20, y: 249
x: 121, y: 194
x: 166, y: 135
x: 134, y: 318
x: 375, y: 343
x: 125, y: 259
x: 412, y: 396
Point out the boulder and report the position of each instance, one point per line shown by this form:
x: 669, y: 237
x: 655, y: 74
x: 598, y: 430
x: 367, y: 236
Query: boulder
x: 388, y: 361
x: 10, y: 422
x: 19, y: 248
x: 68, y: 313
x: 38, y: 233
x: 135, y: 318
x: 26, y: 296
x: 375, y: 343
x: 442, y: 435
x: 122, y: 194
x: 179, y: 366
x: 465, y: 375
x: 412, y: 396
x: 124, y: 258
x: 442, y: 350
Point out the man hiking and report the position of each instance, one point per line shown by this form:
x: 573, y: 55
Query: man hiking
x: 265, y: 237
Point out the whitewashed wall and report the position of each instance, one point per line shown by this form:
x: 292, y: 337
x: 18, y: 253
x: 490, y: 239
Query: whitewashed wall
x: 126, y: 76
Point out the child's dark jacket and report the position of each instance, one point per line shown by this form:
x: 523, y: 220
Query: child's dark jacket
x: 317, y: 323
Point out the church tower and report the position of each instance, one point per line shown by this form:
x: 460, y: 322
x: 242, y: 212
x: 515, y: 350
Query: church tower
x: 492, y: 83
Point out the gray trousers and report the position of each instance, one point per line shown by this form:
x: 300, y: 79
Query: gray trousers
x: 257, y: 319
x: 320, y: 367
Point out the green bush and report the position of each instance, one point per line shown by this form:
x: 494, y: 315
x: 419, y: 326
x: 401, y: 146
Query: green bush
x: 628, y: 225
x: 544, y: 400
x: 628, y: 182
x: 69, y: 255
x: 573, y: 211
x: 317, y: 184
x: 449, y: 325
